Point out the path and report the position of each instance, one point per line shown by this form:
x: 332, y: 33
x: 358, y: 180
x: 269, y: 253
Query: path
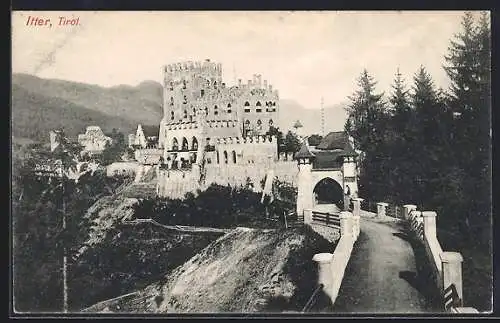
x: 381, y: 274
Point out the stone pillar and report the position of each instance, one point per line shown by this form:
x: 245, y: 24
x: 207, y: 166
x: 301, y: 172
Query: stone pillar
x: 347, y: 201
x: 308, y: 216
x: 357, y: 206
x: 429, y: 224
x: 407, y: 209
x: 324, y: 261
x: 356, y: 225
x: 346, y: 223
x: 381, y: 209
x: 452, y: 272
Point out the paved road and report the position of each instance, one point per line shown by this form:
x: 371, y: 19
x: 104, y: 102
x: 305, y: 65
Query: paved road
x: 381, y: 276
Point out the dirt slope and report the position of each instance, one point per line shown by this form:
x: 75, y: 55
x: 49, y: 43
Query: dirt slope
x: 246, y: 270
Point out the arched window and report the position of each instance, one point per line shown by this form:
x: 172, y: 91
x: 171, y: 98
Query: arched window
x: 225, y: 157
x: 175, y: 144
x: 185, y: 145
x: 171, y: 100
x: 234, y: 157
x: 247, y: 123
x: 229, y: 108
x: 259, y: 123
x: 194, y: 145
x: 258, y: 104
x: 184, y: 84
x: 271, y: 122
x: 218, y: 160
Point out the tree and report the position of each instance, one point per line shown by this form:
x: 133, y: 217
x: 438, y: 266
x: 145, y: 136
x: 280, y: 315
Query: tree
x: 291, y: 142
x: 314, y: 140
x: 468, y: 64
x: 363, y: 112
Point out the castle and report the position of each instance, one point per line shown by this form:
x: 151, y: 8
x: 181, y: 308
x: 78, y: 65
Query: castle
x: 213, y: 133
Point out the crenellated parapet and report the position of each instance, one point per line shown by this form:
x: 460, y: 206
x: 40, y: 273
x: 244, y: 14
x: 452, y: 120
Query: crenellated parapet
x: 193, y: 67
x: 246, y: 140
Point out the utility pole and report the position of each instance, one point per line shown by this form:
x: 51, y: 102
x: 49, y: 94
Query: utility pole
x: 322, y: 118
x: 65, y: 256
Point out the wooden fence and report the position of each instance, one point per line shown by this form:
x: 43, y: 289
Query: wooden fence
x: 328, y: 219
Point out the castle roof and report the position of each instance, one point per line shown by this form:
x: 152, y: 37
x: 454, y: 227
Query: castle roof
x: 337, y: 141
x: 304, y: 151
x: 297, y: 124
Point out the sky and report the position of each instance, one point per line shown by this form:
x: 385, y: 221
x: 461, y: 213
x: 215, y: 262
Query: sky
x: 305, y: 55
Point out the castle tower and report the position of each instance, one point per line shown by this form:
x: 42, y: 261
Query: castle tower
x: 304, y: 158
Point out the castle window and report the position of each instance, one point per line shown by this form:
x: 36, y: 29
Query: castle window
x: 274, y: 104
x: 229, y: 108
x: 185, y: 100
x: 171, y: 115
x: 259, y: 123
x: 218, y: 157
x: 225, y: 157
x: 271, y: 122
x: 171, y: 100
x: 247, y: 110
x: 194, y: 145
x: 185, y: 145
x: 184, y: 84
x: 216, y: 112
x: 206, y: 111
x: 247, y: 123
x: 234, y: 157
x: 175, y: 144
x: 258, y: 104
x: 202, y: 92
x: 171, y: 86
x: 247, y: 104
x: 194, y: 111
x: 258, y: 110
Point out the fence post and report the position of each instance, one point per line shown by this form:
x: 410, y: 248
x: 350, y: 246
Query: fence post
x: 452, y: 272
x: 357, y: 206
x: 429, y: 223
x: 324, y: 261
x: 407, y: 209
x: 381, y: 209
x: 346, y: 223
x: 308, y: 216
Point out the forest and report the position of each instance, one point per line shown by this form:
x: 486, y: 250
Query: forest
x: 431, y: 147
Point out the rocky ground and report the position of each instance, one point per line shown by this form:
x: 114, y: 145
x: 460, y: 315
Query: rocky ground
x: 246, y: 270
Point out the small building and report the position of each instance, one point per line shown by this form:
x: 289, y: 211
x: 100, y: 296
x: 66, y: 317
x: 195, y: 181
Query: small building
x: 144, y: 137
x: 94, y: 140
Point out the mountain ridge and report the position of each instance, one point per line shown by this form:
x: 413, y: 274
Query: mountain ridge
x: 40, y: 105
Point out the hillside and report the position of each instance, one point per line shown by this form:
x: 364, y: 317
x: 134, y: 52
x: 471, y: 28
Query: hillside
x: 34, y: 115
x: 39, y: 105
x: 246, y: 270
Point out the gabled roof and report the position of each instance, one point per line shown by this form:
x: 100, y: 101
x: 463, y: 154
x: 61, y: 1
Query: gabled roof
x: 151, y: 131
x: 337, y: 141
x: 304, y: 151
